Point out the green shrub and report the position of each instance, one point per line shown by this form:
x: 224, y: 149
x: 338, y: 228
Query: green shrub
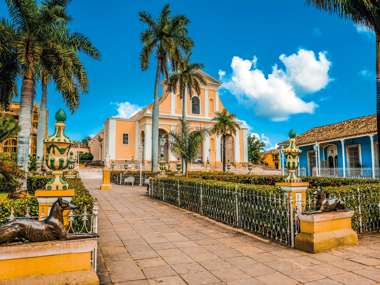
x: 272, y: 180
x: 19, y: 206
x: 82, y: 198
x: 37, y: 183
x: 85, y: 157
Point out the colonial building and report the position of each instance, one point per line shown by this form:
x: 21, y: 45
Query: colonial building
x: 345, y: 149
x: 9, y: 146
x: 131, y: 139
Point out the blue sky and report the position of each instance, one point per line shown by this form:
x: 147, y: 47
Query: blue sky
x: 223, y: 30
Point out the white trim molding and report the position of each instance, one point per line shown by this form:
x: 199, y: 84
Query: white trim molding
x: 237, y: 147
x: 148, y: 142
x: 206, y: 102
x: 112, y: 139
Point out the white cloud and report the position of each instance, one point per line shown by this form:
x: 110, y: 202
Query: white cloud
x: 366, y: 73
x: 264, y: 139
x: 275, y: 95
x: 221, y: 74
x: 307, y: 71
x: 362, y: 29
x: 125, y: 110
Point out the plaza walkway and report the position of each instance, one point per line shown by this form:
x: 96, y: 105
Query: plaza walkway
x: 143, y: 241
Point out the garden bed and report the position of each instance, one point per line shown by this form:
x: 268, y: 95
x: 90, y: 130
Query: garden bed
x: 82, y: 199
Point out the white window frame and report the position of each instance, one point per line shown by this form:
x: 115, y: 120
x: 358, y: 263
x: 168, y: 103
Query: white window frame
x: 200, y: 105
x: 360, y: 156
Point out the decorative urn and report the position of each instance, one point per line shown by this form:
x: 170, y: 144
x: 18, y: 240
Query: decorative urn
x: 57, y: 153
x: 292, y: 153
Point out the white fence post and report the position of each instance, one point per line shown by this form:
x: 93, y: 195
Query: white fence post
x: 201, y: 197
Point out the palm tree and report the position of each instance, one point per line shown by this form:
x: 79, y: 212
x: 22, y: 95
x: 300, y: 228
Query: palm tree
x: 363, y: 12
x: 60, y: 63
x: 166, y: 38
x: 186, y: 78
x: 8, y: 127
x: 225, y: 124
x: 31, y: 26
x: 186, y: 144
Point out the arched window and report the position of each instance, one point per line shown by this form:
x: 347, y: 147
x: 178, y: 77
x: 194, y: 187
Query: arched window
x: 10, y: 146
x: 195, y: 105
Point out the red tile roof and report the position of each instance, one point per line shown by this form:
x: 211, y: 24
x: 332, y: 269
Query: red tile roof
x: 349, y: 128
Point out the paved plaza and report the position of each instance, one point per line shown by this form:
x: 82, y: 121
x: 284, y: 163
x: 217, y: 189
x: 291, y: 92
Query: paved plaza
x: 143, y: 241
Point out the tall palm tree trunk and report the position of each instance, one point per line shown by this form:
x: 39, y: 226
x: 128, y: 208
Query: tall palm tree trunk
x: 184, y: 162
x: 25, y: 125
x: 42, y: 118
x: 224, y: 153
x: 378, y: 92
x: 155, y: 120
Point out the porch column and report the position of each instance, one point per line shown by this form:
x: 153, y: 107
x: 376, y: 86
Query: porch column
x: 281, y: 161
x: 317, y: 161
x: 172, y: 155
x: 206, y: 148
x: 343, y: 157
x: 237, y: 146
x: 373, y: 157
x: 206, y: 102
x: 245, y: 146
x: 173, y: 102
x: 148, y: 142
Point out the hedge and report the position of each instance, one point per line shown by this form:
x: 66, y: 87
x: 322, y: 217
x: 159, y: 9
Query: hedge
x: 363, y: 199
x: 272, y: 180
x: 82, y: 198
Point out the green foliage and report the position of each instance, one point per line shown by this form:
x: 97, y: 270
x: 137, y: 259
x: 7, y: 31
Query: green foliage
x: 85, y: 157
x: 225, y: 124
x: 32, y: 163
x: 8, y: 127
x: 10, y: 174
x: 37, y: 183
x: 272, y: 180
x: 360, y: 11
x: 19, y: 206
x: 255, y: 149
x: 185, y: 143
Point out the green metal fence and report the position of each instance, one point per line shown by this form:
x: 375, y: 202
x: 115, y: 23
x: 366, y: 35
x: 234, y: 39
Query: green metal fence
x: 263, y: 213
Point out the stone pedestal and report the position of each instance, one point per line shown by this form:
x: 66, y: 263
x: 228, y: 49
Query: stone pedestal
x: 324, y: 231
x: 46, y: 198
x: 297, y: 191
x: 106, y: 184
x: 52, y: 263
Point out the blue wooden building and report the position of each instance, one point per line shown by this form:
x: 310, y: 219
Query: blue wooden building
x: 345, y: 149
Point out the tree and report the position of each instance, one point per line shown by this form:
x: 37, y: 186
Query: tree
x: 363, y: 12
x: 225, y: 124
x: 186, y: 144
x: 31, y: 26
x: 166, y: 38
x: 60, y: 62
x: 186, y: 78
x: 255, y: 149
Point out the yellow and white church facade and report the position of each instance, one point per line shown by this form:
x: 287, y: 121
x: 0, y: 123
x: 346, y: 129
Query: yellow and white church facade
x: 130, y: 139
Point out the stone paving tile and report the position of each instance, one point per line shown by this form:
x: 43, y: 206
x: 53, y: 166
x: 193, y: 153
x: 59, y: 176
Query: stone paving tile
x: 200, y: 278
x: 349, y: 278
x: 144, y: 241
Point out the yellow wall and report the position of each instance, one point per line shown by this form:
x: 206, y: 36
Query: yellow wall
x: 125, y: 151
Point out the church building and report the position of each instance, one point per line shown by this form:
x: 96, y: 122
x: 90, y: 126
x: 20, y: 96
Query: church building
x: 130, y: 139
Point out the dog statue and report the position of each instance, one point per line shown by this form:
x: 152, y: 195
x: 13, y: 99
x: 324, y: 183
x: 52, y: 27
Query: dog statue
x: 326, y: 204
x: 52, y: 228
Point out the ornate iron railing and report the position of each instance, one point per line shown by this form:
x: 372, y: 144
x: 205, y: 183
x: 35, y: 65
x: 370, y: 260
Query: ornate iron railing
x: 363, y: 200
x: 265, y: 213
x: 80, y: 225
